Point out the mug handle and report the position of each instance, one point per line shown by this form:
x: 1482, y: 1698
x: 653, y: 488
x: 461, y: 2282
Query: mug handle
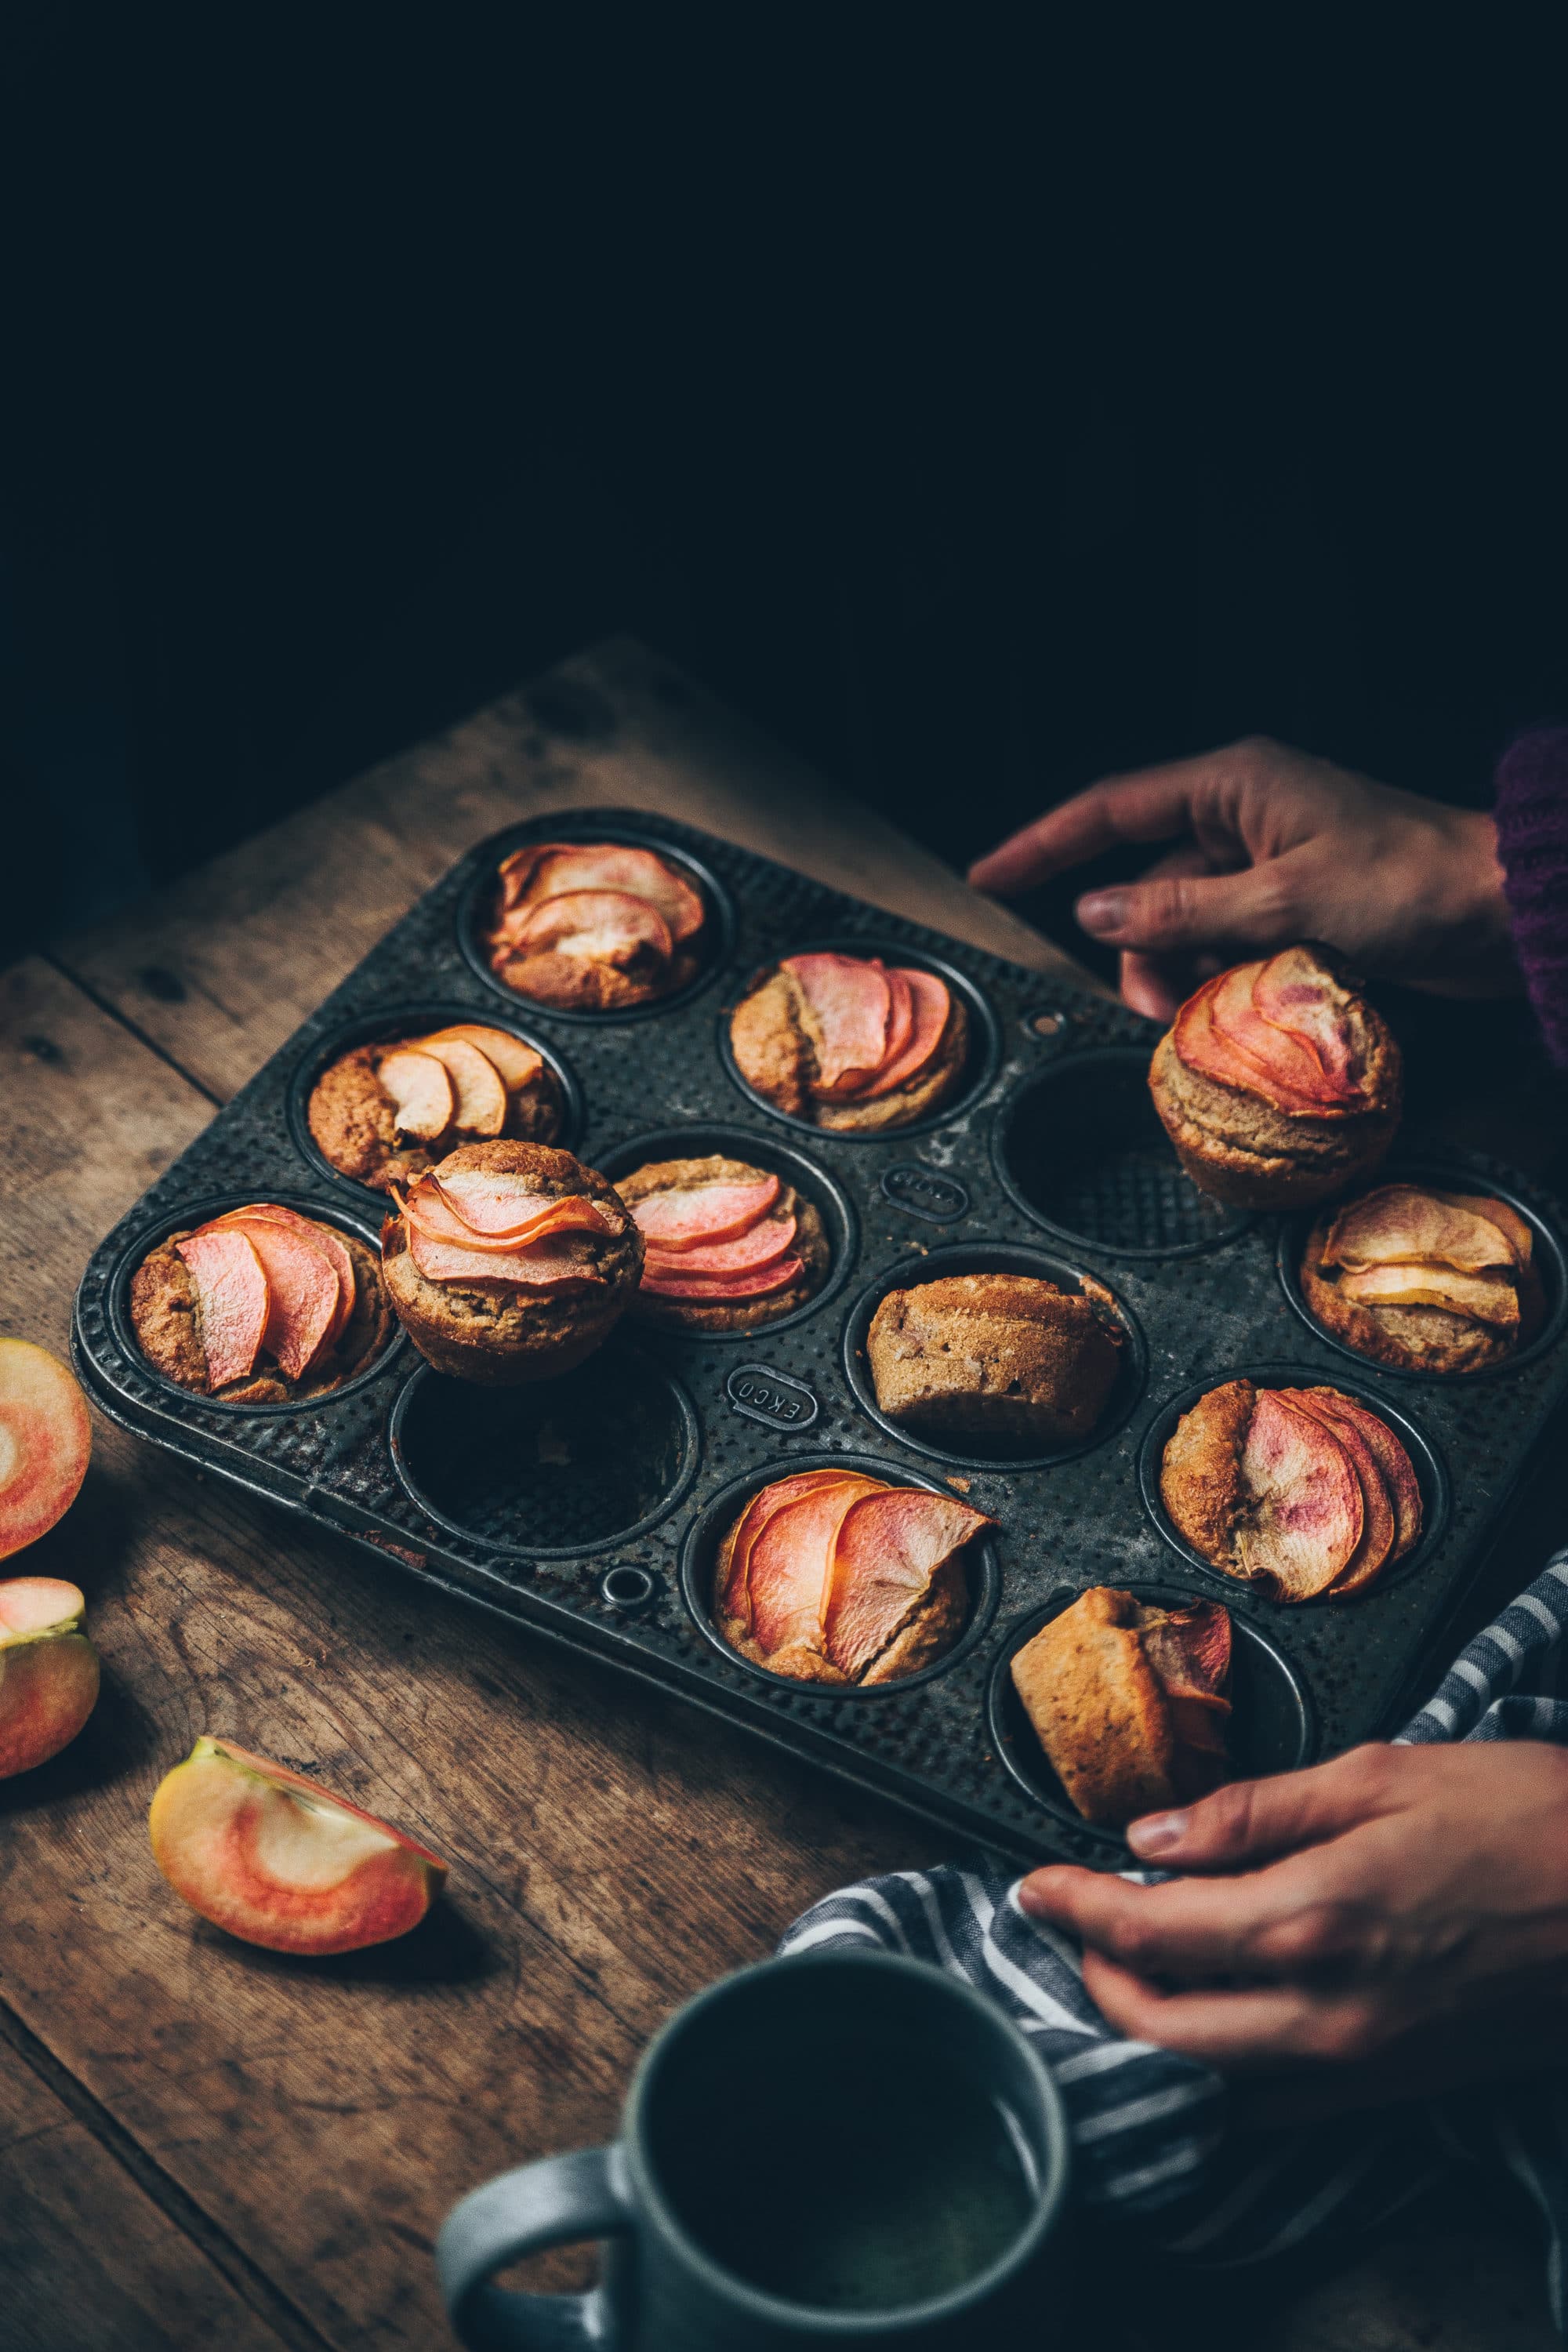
x: 555, y: 2202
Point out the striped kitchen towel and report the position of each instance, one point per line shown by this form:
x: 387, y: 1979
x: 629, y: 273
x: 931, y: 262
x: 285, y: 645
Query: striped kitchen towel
x: 1148, y: 2128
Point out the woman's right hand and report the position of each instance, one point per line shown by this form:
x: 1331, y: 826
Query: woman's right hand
x: 1276, y: 847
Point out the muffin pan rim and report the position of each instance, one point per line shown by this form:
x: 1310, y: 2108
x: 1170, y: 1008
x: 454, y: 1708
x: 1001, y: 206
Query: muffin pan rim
x: 1426, y: 1460
x: 699, y: 1553
x: 1064, y: 1063
x: 311, y: 1067
x: 845, y: 1244
x: 1295, y: 1231
x: 1023, y: 1629
x: 197, y: 1212
x: 1132, y: 1377
x: 985, y: 1049
x: 485, y: 857
x: 691, y: 1446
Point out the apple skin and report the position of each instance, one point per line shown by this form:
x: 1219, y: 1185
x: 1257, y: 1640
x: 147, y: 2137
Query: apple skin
x: 45, y: 1439
x: 48, y: 1671
x: 277, y: 1860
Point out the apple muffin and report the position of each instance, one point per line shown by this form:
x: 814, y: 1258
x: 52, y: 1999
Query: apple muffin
x: 260, y: 1306
x: 386, y: 1113
x: 1277, y: 1082
x: 594, y: 927
x: 1004, y: 1360
x: 1299, y: 1491
x: 834, y: 1577
x: 1429, y: 1280
x: 726, y: 1246
x: 1128, y: 1701
x: 510, y: 1262
x: 849, y: 1042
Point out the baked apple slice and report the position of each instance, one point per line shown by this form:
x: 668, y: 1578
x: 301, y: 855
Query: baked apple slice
x: 1379, y: 1526
x: 232, y: 1299
x: 46, y: 1438
x: 304, y: 1294
x: 1398, y: 1472
x: 1304, y: 1512
x: 1492, y: 1297
x: 604, y: 926
x: 702, y: 1214
x: 733, y: 1596
x: 48, y: 1668
x: 889, y: 1549
x: 423, y: 1097
x: 555, y: 869
x: 517, y: 1063
x: 762, y: 1246
x: 1403, y: 1224
x: 791, y: 1561
x: 277, y: 1860
x: 848, y: 1000
x: 320, y: 1237
x: 932, y: 1005
x: 670, y: 1280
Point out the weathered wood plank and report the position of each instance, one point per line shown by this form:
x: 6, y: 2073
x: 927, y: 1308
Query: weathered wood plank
x: 219, y: 969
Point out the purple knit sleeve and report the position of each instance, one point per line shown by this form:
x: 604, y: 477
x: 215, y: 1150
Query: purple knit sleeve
x: 1533, y: 844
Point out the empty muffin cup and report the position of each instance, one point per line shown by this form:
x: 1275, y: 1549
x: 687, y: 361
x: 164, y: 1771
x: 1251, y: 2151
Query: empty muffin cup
x: 557, y: 1468
x: 414, y: 1021
x: 1431, y: 1475
x: 1547, y: 1258
x: 983, y: 1051
x: 1080, y: 1150
x: 995, y: 1257
x: 1271, y: 1726
x: 704, y: 1540
x: 476, y: 907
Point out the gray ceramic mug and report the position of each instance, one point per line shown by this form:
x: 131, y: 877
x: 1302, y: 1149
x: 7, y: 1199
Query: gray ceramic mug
x: 843, y: 2147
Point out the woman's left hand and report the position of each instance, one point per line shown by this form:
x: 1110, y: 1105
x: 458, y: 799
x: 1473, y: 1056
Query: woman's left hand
x: 1326, y: 1913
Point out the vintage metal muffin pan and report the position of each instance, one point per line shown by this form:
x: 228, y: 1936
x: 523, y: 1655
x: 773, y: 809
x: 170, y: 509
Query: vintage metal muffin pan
x: 591, y: 1509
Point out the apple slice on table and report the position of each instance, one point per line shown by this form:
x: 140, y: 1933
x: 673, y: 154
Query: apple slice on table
x: 889, y: 1548
x: 694, y: 1216
x: 277, y: 1860
x: 848, y: 1000
x: 733, y: 1597
x: 475, y: 1084
x: 931, y: 1004
x: 792, y: 1563
x: 423, y: 1097
x: 48, y: 1670
x: 1305, y: 1510
x: 46, y: 1438
x: 232, y: 1299
x: 605, y: 926
x: 517, y: 1063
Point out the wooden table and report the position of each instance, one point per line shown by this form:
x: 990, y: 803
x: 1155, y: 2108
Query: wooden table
x: 203, y: 2144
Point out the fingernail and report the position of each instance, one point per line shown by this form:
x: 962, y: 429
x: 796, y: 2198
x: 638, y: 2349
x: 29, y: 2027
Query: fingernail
x: 1157, y: 1832
x: 1101, y: 911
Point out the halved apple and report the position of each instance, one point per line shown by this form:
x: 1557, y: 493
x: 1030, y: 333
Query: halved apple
x: 1305, y: 1512
x: 848, y: 1002
x: 695, y: 1217
x: 423, y: 1095
x: 476, y: 1083
x: 48, y: 1670
x: 232, y: 1299
x: 46, y: 1438
x: 277, y: 1860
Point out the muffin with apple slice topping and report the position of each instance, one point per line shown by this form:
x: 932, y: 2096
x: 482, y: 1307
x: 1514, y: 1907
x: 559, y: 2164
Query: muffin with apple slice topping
x: 510, y: 1262
x: 831, y: 1576
x: 850, y: 1043
x: 1277, y: 1082
x: 1428, y: 1279
x: 261, y: 1306
x: 594, y: 927
x: 727, y: 1246
x: 385, y: 1113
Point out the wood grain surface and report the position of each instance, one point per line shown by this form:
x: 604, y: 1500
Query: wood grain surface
x: 203, y: 2142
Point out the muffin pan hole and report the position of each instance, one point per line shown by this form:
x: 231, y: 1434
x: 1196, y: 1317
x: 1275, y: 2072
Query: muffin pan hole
x: 980, y: 1064
x: 627, y: 1588
x: 477, y: 903
x: 710, y: 1141
x: 1431, y: 1475
x: 1271, y: 1726
x: 553, y: 1467
x: 1547, y: 1256
x: 998, y: 1257
x: 705, y: 1537
x: 1081, y: 1151
x: 199, y: 1212
x: 415, y: 1021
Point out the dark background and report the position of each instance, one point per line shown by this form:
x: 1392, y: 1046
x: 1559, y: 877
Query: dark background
x: 979, y: 410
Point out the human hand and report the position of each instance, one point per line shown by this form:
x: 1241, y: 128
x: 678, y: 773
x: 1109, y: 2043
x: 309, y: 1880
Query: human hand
x: 1276, y: 847
x: 1390, y: 1892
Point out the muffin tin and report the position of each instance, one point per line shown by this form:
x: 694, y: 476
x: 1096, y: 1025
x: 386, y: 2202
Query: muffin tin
x: 591, y: 1509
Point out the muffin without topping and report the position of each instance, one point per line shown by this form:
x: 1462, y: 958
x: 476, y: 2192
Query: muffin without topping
x: 1001, y: 1358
